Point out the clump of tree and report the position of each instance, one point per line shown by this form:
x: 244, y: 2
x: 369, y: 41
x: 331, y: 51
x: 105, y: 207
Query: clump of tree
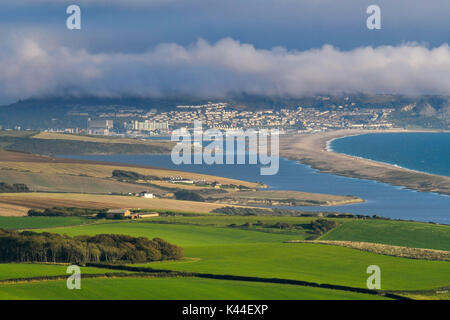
x: 242, y: 211
x: 65, y: 212
x: 29, y: 246
x: 321, y: 226
x: 238, y: 211
x: 132, y: 176
x: 17, y: 187
x: 188, y: 195
x: 284, y: 225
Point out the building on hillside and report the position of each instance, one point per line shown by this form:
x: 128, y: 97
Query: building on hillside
x: 100, y: 127
x: 139, y: 215
x: 147, y: 195
x: 118, y: 213
x: 146, y: 125
x: 186, y: 181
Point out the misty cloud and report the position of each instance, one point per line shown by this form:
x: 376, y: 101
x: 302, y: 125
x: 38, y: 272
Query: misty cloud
x: 32, y: 68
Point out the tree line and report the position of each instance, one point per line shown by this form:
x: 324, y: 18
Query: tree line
x: 28, y: 246
x: 65, y: 212
x: 17, y: 187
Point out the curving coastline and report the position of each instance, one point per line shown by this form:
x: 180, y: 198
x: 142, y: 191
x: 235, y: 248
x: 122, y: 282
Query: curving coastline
x: 313, y: 149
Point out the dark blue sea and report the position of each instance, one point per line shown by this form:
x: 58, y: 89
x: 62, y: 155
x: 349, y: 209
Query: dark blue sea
x: 427, y: 152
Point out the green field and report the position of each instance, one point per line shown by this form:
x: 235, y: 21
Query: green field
x: 224, y: 220
x: 41, y: 222
x: 254, y: 253
x: 170, y: 288
x: 211, y: 246
x: 408, y: 234
x: 181, y: 235
x: 31, y: 270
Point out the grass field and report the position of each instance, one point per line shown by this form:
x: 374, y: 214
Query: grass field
x: 41, y: 222
x: 301, y: 226
x: 180, y: 288
x: 225, y: 220
x: 30, y: 270
x: 182, y: 235
x: 408, y: 234
x: 253, y: 253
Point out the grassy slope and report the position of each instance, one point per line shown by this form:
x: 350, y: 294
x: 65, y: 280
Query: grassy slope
x: 183, y: 235
x: 302, y: 228
x: 41, y: 222
x: 181, y: 288
x: 28, y: 270
x: 252, y: 253
x: 408, y: 234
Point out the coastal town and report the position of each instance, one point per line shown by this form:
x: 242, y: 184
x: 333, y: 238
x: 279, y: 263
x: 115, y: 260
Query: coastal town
x: 135, y: 122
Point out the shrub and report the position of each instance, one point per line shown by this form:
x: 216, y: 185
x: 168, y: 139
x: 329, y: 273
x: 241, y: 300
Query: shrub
x: 188, y: 195
x: 17, y: 187
x: 29, y: 246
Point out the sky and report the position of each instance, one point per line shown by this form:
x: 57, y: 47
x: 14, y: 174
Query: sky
x: 212, y: 48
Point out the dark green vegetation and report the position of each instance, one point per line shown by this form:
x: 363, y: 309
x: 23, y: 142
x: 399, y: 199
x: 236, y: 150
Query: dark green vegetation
x: 243, y: 211
x: 65, y: 212
x: 322, y: 226
x: 29, y: 246
x: 17, y: 187
x: 131, y: 176
x: 188, y: 195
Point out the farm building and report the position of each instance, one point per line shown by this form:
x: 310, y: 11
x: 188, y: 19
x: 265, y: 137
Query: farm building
x: 143, y: 215
x: 115, y: 213
x: 146, y: 195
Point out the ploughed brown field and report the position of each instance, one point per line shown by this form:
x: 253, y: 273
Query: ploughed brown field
x: 24, y: 162
x: 20, y: 203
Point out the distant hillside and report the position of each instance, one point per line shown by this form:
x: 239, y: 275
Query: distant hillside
x: 424, y: 113
x: 28, y: 141
x: 57, y: 112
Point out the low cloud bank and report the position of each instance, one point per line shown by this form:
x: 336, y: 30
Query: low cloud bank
x: 32, y: 68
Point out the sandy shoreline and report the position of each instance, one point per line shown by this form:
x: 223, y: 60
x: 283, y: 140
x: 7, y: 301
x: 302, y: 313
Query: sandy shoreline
x: 314, y: 149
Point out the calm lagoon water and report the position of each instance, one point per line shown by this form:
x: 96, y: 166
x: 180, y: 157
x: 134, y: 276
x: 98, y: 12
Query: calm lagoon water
x: 381, y: 199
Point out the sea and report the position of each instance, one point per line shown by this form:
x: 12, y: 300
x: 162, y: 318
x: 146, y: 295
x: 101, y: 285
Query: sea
x: 428, y: 152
